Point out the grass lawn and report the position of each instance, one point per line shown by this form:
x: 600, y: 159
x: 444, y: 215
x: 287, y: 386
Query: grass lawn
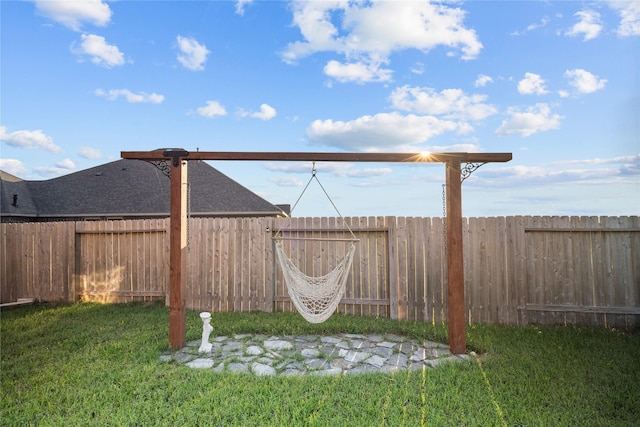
x: 88, y: 364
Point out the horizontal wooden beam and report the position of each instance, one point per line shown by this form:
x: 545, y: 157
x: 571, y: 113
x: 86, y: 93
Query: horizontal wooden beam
x: 331, y: 230
x: 122, y: 293
x: 21, y: 302
x: 353, y: 301
x: 149, y: 230
x: 581, y: 230
x: 318, y: 239
x: 556, y: 308
x: 164, y: 154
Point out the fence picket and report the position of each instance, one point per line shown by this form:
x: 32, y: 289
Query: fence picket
x: 581, y: 266
x: 620, y: 253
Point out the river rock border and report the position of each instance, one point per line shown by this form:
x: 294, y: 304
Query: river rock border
x: 313, y: 354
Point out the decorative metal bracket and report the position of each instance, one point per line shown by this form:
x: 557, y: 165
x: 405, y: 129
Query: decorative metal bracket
x: 162, y: 165
x: 468, y: 169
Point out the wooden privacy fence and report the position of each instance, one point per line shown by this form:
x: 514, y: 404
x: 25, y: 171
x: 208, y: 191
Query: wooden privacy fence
x: 518, y: 270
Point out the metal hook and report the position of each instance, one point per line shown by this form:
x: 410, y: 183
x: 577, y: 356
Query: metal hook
x: 313, y: 169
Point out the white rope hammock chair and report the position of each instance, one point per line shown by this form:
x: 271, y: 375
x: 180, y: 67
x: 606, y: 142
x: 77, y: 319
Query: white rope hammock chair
x: 316, y: 298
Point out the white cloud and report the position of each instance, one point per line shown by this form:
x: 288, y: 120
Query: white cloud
x: 49, y: 171
x: 531, y: 27
x: 364, y: 173
x: 292, y: 167
x: 629, y: 17
x: 13, y: 166
x: 267, y: 112
x: 370, y: 31
x: 66, y: 164
x: 599, y: 161
x: 240, y: 5
x: 455, y: 148
x: 72, y: 14
x: 537, y: 118
x: 588, y: 24
x: 100, y: 52
x: 192, y: 54
x: 483, y: 80
x: 338, y: 169
x: 212, y: 109
x: 588, y: 171
x: 584, y: 81
x: 113, y: 94
x: 287, y: 181
x: 418, y: 68
x: 90, y: 153
x: 543, y: 23
x: 450, y: 103
x: 381, y: 132
x: 536, y: 175
x: 314, y: 21
x: 385, y: 26
x: 358, y: 72
x: 532, y: 84
x: 28, y: 139
x: 628, y: 165
x: 335, y: 168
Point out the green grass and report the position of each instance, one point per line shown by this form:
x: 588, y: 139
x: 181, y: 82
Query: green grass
x: 88, y: 364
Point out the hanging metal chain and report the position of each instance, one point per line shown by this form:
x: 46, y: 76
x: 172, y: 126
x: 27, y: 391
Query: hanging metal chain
x: 188, y: 216
x: 314, y: 175
x: 444, y: 217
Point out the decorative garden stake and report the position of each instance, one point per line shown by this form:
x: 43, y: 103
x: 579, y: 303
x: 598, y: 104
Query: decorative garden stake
x: 205, y: 345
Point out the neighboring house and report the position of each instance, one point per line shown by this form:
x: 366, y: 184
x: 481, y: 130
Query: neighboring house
x: 130, y: 189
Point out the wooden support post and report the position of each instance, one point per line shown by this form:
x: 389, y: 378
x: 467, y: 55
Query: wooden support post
x: 455, y: 260
x: 177, y: 249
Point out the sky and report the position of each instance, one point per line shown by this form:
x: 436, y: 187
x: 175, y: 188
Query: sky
x: 556, y: 83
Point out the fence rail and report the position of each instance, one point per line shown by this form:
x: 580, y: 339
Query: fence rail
x: 518, y: 270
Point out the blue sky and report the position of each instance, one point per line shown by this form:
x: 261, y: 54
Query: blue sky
x: 555, y: 83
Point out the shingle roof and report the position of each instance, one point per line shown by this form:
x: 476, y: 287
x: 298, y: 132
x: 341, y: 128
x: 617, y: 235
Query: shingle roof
x: 12, y: 187
x: 131, y: 188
